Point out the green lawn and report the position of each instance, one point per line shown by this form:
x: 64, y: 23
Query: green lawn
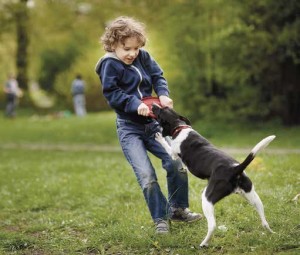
x: 77, y: 198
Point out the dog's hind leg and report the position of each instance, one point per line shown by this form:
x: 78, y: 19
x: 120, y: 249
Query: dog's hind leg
x: 254, y: 200
x: 208, y: 210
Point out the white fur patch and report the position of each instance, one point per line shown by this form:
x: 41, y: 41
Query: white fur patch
x: 176, y: 143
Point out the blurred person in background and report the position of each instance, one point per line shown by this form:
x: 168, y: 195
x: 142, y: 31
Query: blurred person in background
x: 78, y: 89
x: 13, y: 93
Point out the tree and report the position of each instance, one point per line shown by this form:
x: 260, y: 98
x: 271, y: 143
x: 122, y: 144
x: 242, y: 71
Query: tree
x: 271, y: 46
x: 238, y: 59
x: 15, y: 17
x: 21, y: 19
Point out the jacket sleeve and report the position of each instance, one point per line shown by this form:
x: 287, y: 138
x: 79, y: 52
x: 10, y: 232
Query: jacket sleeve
x: 160, y: 85
x: 110, y: 74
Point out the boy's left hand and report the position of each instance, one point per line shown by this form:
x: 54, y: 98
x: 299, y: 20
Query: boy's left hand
x: 166, y: 101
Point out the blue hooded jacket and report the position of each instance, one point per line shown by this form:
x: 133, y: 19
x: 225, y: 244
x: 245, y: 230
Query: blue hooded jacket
x: 125, y: 85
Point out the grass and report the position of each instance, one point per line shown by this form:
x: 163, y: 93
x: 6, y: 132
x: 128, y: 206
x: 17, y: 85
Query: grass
x: 57, y: 200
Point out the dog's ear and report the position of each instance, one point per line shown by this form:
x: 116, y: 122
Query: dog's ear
x: 186, y: 120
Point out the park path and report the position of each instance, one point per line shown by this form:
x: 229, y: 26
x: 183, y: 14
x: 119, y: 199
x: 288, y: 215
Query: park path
x: 116, y: 148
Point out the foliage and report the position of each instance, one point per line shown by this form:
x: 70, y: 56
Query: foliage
x: 273, y: 55
x: 54, y: 61
x: 238, y: 59
x: 228, y: 59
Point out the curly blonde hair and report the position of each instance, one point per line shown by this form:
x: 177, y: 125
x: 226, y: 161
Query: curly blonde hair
x: 120, y: 29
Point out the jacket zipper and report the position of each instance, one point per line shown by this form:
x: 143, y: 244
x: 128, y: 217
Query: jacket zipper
x: 141, y: 79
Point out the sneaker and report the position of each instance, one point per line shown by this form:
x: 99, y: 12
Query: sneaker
x: 161, y: 227
x: 184, y: 215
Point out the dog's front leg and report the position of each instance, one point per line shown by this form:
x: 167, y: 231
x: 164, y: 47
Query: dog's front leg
x: 167, y: 147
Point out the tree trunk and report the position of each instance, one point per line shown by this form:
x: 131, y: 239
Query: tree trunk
x: 291, y: 85
x: 22, y: 43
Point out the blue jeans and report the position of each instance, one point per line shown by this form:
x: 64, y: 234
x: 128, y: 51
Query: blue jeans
x: 79, y: 105
x: 136, y: 139
x: 11, y: 105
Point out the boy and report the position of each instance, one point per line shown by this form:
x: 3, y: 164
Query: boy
x: 128, y: 74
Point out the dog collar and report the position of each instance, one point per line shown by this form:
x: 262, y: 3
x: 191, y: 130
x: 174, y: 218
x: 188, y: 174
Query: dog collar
x: 176, y: 130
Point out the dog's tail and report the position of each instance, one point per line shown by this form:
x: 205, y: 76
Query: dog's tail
x: 258, y: 147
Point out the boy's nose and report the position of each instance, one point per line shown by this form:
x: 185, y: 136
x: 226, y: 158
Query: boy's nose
x: 132, y: 53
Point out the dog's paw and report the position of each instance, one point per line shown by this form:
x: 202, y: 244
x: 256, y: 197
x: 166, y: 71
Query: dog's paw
x: 174, y: 156
x: 203, y: 246
x: 159, y: 137
x: 266, y: 226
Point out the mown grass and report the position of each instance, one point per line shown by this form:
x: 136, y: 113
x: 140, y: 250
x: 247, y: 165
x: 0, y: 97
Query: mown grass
x: 100, y: 129
x: 66, y: 201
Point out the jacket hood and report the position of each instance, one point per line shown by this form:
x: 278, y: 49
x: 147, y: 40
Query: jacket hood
x: 107, y: 55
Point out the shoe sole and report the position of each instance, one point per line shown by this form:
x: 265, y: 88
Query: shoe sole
x: 162, y: 233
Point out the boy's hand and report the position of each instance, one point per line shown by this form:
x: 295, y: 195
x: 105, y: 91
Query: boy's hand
x: 166, y: 101
x: 143, y: 110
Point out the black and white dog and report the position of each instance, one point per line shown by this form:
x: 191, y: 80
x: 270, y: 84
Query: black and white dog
x: 225, y: 175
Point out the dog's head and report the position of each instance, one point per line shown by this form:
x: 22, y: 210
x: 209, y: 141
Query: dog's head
x: 168, y: 119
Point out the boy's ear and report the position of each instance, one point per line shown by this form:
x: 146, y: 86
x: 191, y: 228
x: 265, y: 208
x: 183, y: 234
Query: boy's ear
x: 186, y: 120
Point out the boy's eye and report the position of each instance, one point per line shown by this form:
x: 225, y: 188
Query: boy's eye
x: 128, y: 49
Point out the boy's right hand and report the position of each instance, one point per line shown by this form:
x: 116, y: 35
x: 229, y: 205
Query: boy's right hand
x: 143, y: 110
x: 166, y: 101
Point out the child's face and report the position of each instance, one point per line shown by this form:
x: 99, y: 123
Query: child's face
x: 127, y: 51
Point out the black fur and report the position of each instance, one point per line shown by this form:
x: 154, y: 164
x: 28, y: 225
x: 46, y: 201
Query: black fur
x: 204, y: 160
x: 224, y: 174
